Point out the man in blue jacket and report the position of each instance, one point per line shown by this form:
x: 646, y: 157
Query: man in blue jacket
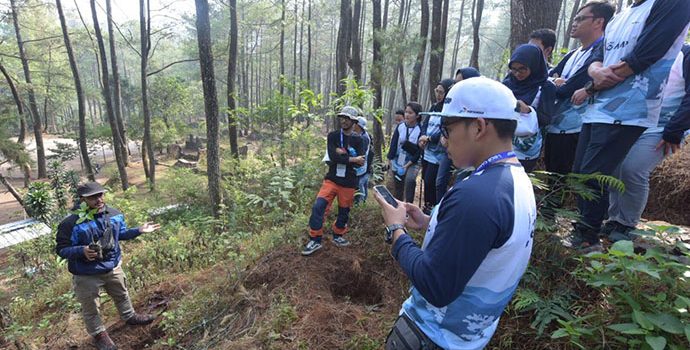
x: 478, y: 239
x: 89, y: 241
x: 628, y: 79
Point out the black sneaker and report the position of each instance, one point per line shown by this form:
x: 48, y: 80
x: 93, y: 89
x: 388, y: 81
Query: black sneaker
x: 340, y: 241
x: 622, y: 233
x: 583, y: 239
x: 311, y: 247
x: 609, y: 227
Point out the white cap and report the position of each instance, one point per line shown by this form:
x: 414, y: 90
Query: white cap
x: 480, y: 97
x: 362, y: 122
x: 349, y: 112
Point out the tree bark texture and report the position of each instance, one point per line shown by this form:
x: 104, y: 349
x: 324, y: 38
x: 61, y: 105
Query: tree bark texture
x: 203, y: 32
x: 145, y: 39
x: 232, y: 67
x: 110, y: 111
x: 33, y: 107
x: 419, y: 62
x: 117, y: 94
x: 529, y: 15
x: 477, y: 10
x: 81, y: 105
x: 377, y: 77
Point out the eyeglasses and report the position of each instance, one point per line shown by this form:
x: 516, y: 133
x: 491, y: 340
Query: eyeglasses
x: 94, y: 196
x: 439, y: 91
x: 578, y: 19
x: 444, y: 131
x: 444, y: 126
x: 519, y: 70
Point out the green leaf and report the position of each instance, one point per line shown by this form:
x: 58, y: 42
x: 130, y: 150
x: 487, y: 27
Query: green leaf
x: 666, y: 322
x: 645, y: 268
x: 687, y: 332
x: 657, y: 343
x: 627, y: 328
x: 559, y: 333
x: 641, y: 319
x: 625, y: 247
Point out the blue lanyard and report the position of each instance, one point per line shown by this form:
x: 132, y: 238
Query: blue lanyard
x: 493, y: 159
x: 341, y: 138
x: 594, y: 43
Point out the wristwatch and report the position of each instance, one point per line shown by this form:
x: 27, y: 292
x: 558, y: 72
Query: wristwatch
x: 392, y: 228
x: 589, y: 88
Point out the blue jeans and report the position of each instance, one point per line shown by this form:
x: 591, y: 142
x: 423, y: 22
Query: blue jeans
x: 626, y: 208
x: 601, y: 148
x: 443, y: 177
x: 362, y: 188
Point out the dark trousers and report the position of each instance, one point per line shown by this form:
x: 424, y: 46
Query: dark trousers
x: 601, y: 148
x: 429, y: 176
x: 443, y: 177
x: 559, y: 152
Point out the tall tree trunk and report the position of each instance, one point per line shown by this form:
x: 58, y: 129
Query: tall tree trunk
x: 566, y: 41
x: 301, y: 43
x: 17, y: 102
x: 477, y: 10
x: 343, y: 46
x: 282, y: 85
x: 38, y: 128
x: 83, y: 147
x: 456, y: 46
x: 232, y: 66
x: 145, y: 39
x: 294, y: 59
x: 435, y: 63
x: 309, y: 46
x: 377, y: 78
x: 355, y: 61
x: 529, y: 15
x: 444, y: 33
x: 117, y: 94
x: 423, y: 37
x: 117, y: 142
x: 203, y: 32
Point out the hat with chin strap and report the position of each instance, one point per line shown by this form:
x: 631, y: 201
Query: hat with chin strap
x: 479, y: 97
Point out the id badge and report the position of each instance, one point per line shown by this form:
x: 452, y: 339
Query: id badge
x: 340, y: 170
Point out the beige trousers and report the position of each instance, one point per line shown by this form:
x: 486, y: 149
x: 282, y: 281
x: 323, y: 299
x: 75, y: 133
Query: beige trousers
x: 87, y: 291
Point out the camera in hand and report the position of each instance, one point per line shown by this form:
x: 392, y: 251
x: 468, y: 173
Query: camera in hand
x: 96, y: 246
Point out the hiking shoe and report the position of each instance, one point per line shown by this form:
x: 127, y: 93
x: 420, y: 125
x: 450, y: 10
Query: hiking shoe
x: 311, y: 247
x: 140, y: 319
x: 583, y: 239
x: 103, y: 341
x: 340, y: 241
x: 622, y: 233
x: 609, y: 227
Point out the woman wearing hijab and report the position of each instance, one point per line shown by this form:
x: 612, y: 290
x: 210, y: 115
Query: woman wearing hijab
x: 528, y: 79
x: 445, y: 166
x: 466, y: 73
x: 430, y: 141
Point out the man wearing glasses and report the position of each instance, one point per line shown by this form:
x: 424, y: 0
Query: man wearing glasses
x: 478, y: 239
x: 570, y: 79
x: 89, y: 241
x: 628, y: 79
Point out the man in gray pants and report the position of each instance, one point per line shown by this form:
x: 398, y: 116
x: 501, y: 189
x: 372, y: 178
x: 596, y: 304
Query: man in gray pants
x: 89, y: 241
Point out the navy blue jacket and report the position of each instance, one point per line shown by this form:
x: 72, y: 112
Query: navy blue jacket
x: 680, y: 122
x: 72, y: 237
x: 580, y: 78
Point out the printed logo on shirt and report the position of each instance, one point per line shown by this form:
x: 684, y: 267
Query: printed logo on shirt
x: 616, y: 46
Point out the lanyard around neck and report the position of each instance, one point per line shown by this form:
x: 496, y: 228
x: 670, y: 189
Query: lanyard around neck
x: 493, y: 159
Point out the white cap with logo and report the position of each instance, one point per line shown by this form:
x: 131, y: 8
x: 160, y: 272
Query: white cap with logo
x: 362, y: 122
x: 480, y: 97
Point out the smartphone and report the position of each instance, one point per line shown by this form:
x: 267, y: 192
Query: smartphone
x: 386, y: 194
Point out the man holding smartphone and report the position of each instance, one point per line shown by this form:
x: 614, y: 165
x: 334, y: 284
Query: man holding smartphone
x: 478, y: 239
x: 345, y: 152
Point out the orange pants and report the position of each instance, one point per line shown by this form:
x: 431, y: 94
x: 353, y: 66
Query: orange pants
x: 328, y: 192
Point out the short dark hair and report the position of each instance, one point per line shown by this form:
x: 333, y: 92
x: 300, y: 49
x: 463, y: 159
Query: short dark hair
x: 505, y: 128
x: 415, y: 106
x: 546, y: 36
x: 400, y: 112
x: 600, y: 9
